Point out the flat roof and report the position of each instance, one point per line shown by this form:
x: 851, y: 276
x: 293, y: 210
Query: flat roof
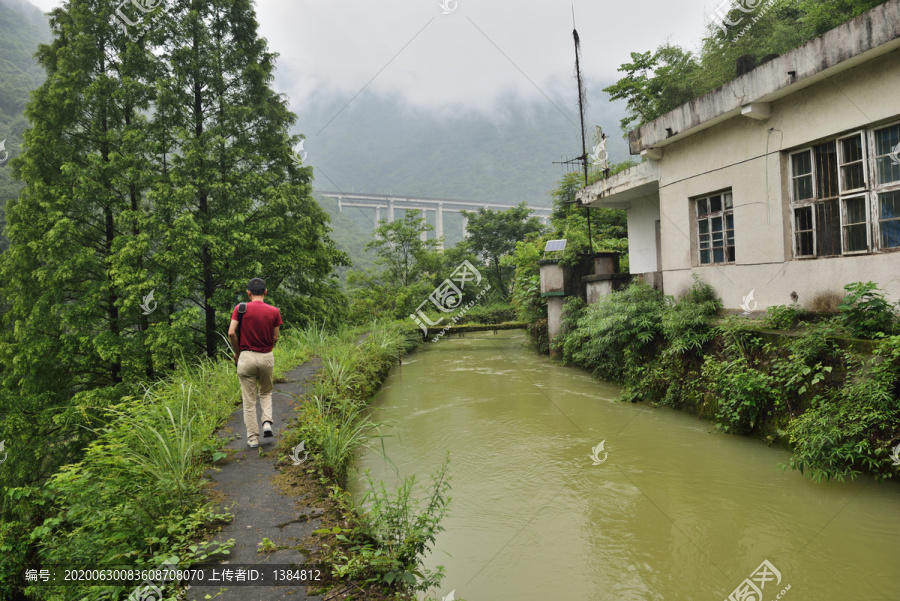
x: 619, y: 191
x: 868, y: 36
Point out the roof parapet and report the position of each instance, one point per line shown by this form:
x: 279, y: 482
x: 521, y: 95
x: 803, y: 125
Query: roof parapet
x: 867, y: 36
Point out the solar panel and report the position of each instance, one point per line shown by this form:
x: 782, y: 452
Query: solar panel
x: 555, y: 245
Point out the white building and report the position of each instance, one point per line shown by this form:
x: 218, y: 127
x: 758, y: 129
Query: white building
x: 785, y: 180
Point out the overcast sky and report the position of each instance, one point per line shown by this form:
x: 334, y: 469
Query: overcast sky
x: 467, y: 58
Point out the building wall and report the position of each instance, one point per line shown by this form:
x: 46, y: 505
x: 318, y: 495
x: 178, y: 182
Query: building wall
x: 747, y: 156
x: 642, y: 217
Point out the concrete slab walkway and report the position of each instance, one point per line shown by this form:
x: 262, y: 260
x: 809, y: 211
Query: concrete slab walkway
x: 260, y: 510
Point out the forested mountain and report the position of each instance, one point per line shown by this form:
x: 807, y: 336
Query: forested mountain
x: 379, y: 144
x: 22, y: 28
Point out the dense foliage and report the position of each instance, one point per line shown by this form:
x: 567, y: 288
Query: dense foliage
x: 157, y: 180
x: 607, y: 229
x: 493, y: 236
x: 408, y: 269
x: 837, y: 405
x: 656, y: 82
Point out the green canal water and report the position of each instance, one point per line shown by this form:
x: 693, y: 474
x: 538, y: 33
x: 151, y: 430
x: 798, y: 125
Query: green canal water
x: 675, y: 512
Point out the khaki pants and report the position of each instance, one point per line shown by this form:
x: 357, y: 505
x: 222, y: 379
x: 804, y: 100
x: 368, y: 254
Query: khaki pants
x: 256, y: 370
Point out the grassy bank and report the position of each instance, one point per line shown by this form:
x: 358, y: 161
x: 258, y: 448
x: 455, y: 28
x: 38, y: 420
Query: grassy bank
x: 138, y: 496
x: 831, y: 399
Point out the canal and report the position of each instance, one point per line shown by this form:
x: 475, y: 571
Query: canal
x: 672, y: 510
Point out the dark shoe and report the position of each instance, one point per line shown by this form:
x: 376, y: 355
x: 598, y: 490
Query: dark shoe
x: 267, y: 430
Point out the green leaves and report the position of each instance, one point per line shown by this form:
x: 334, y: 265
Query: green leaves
x: 865, y: 313
x: 657, y: 82
x: 400, y: 248
x: 493, y: 235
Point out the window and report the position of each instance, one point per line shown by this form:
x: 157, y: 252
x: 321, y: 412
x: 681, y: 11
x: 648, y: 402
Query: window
x: 828, y: 228
x: 853, y: 169
x: 889, y: 219
x: 887, y: 149
x: 845, y: 194
x: 856, y: 225
x: 814, y: 195
x: 802, y: 176
x: 886, y: 159
x: 715, y: 229
x: 803, y: 232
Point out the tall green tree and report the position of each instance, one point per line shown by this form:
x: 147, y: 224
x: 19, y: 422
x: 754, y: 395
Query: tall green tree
x: 74, y: 313
x: 492, y: 235
x: 158, y: 180
x: 239, y: 207
x: 401, y: 250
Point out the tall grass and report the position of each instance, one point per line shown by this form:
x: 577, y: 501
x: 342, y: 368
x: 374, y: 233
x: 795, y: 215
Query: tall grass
x: 135, y: 498
x: 334, y: 422
x: 165, y: 444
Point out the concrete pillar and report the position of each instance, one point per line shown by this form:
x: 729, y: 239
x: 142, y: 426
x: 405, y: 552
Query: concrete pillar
x: 340, y: 207
x: 390, y: 211
x: 425, y: 218
x: 439, y: 224
x: 465, y: 226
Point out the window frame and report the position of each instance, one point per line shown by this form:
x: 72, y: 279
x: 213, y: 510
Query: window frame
x: 867, y: 222
x: 796, y: 231
x: 863, y: 146
x: 818, y: 205
x: 876, y: 190
x: 724, y: 212
x: 812, y: 174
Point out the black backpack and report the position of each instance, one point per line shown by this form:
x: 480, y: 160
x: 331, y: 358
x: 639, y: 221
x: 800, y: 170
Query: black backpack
x: 242, y: 308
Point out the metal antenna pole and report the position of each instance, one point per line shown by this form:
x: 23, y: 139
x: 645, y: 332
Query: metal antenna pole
x: 581, y: 115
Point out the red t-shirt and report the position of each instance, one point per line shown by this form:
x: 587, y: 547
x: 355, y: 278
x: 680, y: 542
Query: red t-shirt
x: 257, y: 325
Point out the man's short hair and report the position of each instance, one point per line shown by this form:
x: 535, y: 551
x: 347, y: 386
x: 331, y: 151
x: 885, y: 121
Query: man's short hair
x: 256, y: 286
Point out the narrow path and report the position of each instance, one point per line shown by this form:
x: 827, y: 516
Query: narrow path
x: 260, y: 510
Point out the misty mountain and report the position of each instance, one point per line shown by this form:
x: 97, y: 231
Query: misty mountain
x: 381, y: 145
x: 22, y: 28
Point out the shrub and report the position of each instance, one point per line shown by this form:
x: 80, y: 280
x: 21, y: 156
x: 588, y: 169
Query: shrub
x: 539, y: 333
x: 489, y: 314
x: 744, y: 394
x: 864, y: 311
x: 851, y: 427
x: 630, y: 319
x: 783, y: 317
x: 394, y: 533
x: 135, y: 496
x: 687, y: 323
x: 333, y: 431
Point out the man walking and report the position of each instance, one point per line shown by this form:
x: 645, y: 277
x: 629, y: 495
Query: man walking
x: 253, y: 344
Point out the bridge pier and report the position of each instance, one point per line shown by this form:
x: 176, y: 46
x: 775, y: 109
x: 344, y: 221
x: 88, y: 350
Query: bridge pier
x: 439, y: 225
x: 424, y: 234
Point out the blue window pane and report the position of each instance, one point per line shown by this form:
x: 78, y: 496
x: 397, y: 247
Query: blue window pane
x: 890, y: 234
x: 704, y: 257
x: 890, y: 205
